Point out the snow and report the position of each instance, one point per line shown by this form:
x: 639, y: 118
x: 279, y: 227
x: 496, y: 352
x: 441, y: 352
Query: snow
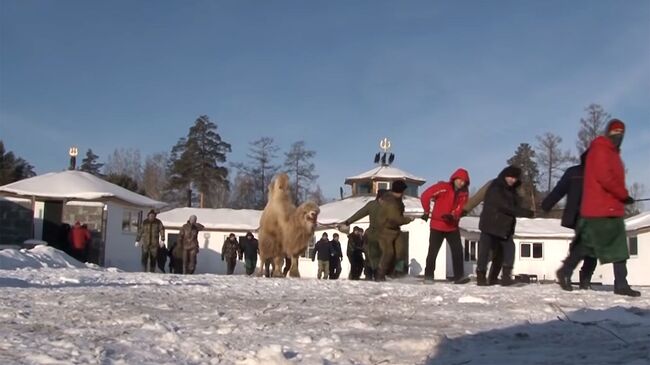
x: 215, y: 219
x: 385, y: 172
x: 61, y: 312
x: 73, y: 185
x: 638, y: 222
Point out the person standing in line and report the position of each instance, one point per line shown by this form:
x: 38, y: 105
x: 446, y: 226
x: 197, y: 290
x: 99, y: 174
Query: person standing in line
x: 188, y: 238
x: 355, y: 253
x: 336, y: 256
x: 323, y: 252
x: 391, y: 218
x: 601, y: 228
x: 501, y: 207
x: 249, y: 249
x: 449, y: 197
x: 570, y: 185
x: 371, y: 235
x: 79, y: 238
x: 229, y: 253
x: 151, y: 234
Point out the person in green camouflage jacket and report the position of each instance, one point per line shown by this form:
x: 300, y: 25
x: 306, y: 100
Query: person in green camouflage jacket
x: 229, y: 253
x: 391, y: 242
x: 371, y: 236
x: 151, y: 234
x: 188, y: 238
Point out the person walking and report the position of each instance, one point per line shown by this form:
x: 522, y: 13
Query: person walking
x: 601, y: 228
x: 151, y: 234
x: 355, y: 253
x: 449, y: 198
x: 336, y: 256
x: 229, y: 253
x: 188, y: 238
x: 391, y: 218
x: 501, y: 207
x: 323, y: 252
x: 248, y: 250
x: 79, y: 238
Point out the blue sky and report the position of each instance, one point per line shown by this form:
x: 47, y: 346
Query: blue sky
x: 451, y: 83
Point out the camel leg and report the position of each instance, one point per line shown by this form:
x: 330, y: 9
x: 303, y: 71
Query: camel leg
x: 294, y: 273
x: 277, y: 266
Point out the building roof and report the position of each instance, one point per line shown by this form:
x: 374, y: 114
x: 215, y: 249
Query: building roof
x: 75, y: 185
x: 639, y: 221
x: 526, y: 227
x: 214, y: 219
x: 341, y: 210
x: 385, y: 172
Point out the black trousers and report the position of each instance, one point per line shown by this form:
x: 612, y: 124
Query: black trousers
x: 488, y: 243
x: 356, y: 265
x: 435, y: 242
x: 335, y: 267
x: 577, y: 253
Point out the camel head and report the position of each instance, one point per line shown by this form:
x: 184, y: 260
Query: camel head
x: 307, y: 214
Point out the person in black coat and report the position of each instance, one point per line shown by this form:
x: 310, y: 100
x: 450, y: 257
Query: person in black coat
x: 248, y: 250
x: 355, y: 253
x: 323, y: 252
x: 336, y: 256
x: 501, y: 207
x: 570, y: 185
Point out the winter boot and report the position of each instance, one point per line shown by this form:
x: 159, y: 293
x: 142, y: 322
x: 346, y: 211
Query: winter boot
x: 585, y: 281
x: 461, y: 280
x: 563, y: 280
x: 481, y: 280
x: 506, y: 276
x: 626, y: 290
x: 493, y: 276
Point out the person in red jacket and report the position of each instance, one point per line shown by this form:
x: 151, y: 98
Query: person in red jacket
x: 79, y: 237
x: 602, y: 228
x: 449, y: 197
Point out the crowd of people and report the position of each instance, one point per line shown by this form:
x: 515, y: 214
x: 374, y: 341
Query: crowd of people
x: 595, y: 190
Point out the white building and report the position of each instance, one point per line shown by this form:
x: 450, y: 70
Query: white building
x: 219, y: 223
x: 112, y: 213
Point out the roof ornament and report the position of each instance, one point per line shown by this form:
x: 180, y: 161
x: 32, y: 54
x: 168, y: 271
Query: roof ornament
x: 386, y: 158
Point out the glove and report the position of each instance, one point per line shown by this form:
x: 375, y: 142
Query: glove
x: 629, y: 200
x: 448, y: 218
x: 425, y: 217
x: 137, y: 244
x: 464, y: 213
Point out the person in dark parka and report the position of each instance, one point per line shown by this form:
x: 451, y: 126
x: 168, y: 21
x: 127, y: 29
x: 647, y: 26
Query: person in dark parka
x: 355, y: 253
x: 229, y: 253
x: 570, y: 185
x: 323, y: 252
x: 501, y: 207
x: 248, y: 250
x: 336, y: 256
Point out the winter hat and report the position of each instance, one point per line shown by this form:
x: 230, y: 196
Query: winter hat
x: 152, y: 212
x: 614, y: 124
x: 512, y: 171
x: 398, y: 186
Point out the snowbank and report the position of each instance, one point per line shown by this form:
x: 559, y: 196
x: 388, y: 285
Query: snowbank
x: 38, y: 257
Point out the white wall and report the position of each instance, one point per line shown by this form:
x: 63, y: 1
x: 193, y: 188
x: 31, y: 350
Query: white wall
x: 638, y: 267
x: 554, y: 251
x: 120, y: 250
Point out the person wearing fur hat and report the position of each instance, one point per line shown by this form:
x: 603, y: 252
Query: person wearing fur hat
x: 501, y: 207
x: 449, y: 197
x: 188, y: 239
x: 602, y: 228
x: 151, y: 234
x: 391, y: 243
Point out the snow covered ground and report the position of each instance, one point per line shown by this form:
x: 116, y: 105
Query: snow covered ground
x: 54, y: 310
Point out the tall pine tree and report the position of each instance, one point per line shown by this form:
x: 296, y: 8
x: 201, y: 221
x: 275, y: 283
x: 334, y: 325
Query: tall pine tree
x: 524, y: 158
x: 90, y: 165
x: 300, y: 169
x: 13, y: 168
x: 196, y: 162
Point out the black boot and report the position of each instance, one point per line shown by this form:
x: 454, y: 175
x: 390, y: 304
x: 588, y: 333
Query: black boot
x: 506, y: 276
x: 493, y: 276
x: 626, y: 290
x: 461, y: 280
x: 481, y: 280
x: 563, y: 280
x: 585, y: 281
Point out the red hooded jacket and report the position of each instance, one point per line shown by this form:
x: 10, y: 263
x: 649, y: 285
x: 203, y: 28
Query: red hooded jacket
x: 79, y: 236
x: 604, y: 181
x: 446, y: 201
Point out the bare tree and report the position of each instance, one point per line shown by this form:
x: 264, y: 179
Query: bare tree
x: 125, y: 162
x: 551, y: 158
x: 154, y: 176
x: 243, y: 192
x: 299, y: 167
x: 591, y: 127
x: 260, y: 170
x: 316, y: 195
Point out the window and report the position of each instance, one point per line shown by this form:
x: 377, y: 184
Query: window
x: 470, y: 251
x: 632, y: 245
x: 383, y: 185
x: 363, y: 188
x: 531, y: 250
x: 131, y: 220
